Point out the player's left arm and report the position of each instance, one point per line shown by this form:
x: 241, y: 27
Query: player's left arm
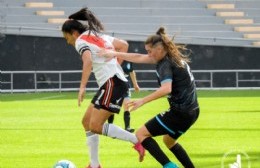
x: 165, y: 89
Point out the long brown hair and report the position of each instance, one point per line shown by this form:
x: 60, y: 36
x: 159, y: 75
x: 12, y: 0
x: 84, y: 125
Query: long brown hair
x: 93, y: 24
x: 176, y: 53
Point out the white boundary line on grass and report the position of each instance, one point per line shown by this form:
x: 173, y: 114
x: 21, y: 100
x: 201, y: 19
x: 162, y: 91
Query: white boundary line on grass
x: 58, y: 96
x: 48, y: 97
x: 42, y: 98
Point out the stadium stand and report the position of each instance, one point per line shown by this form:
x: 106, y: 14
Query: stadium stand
x: 243, y: 14
x: 39, y: 5
x: 206, y: 22
x: 257, y: 43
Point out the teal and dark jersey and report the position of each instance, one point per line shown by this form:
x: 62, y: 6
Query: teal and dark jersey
x: 127, y: 67
x: 183, y: 95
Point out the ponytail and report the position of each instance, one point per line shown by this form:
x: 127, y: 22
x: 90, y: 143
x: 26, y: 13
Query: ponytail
x: 93, y: 24
x: 176, y: 53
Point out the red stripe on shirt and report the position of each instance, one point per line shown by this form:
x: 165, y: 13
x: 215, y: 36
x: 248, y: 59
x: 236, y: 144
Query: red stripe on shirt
x: 98, y: 41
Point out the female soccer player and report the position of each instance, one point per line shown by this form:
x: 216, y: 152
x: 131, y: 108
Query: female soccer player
x: 176, y: 81
x: 129, y: 74
x: 88, y: 39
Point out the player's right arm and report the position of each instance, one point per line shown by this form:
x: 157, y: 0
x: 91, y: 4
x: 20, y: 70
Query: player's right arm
x: 120, y: 46
x: 86, y: 71
x: 134, y: 81
x: 131, y: 57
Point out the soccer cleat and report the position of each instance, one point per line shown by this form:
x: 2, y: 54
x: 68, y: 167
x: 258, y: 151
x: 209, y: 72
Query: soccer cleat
x: 170, y: 165
x: 130, y: 130
x: 141, y: 151
x: 93, y: 167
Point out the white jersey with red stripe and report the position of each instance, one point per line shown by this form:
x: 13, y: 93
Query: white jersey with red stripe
x: 102, y: 69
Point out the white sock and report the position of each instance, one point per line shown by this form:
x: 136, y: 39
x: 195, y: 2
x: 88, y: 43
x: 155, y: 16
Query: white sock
x: 114, y: 131
x: 93, y: 142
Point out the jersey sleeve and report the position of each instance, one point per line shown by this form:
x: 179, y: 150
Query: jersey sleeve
x: 165, y: 72
x: 81, y: 46
x: 127, y: 67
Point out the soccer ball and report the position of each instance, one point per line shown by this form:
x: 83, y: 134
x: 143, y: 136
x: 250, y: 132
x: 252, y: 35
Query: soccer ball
x: 64, y: 164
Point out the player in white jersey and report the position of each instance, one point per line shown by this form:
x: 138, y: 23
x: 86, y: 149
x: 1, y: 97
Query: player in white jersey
x: 88, y: 40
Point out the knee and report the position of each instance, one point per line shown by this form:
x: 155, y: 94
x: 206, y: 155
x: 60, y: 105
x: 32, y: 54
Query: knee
x: 85, y: 123
x: 126, y: 107
x: 140, y: 134
x: 168, y: 141
x: 95, y: 127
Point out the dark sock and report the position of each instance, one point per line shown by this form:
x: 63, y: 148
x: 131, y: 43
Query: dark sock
x: 110, y: 120
x: 127, y: 119
x: 151, y: 145
x: 182, y: 156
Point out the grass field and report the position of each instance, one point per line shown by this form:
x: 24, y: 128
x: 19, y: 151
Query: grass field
x: 38, y: 129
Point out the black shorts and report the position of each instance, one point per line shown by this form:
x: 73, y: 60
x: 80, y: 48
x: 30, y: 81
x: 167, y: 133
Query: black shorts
x: 110, y: 96
x: 173, y: 123
x: 128, y: 95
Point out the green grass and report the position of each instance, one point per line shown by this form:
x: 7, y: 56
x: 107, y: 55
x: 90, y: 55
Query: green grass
x: 38, y: 129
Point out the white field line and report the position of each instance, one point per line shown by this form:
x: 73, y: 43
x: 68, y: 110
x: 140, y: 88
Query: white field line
x: 48, y: 97
x: 58, y: 96
x: 52, y: 97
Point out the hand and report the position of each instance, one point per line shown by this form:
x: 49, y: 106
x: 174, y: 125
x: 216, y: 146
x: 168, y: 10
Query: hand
x: 81, y: 96
x: 137, y: 88
x: 109, y: 54
x: 133, y: 105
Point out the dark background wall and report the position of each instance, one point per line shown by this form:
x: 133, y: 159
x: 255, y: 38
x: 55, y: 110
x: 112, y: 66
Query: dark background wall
x: 37, y: 53
x: 48, y: 53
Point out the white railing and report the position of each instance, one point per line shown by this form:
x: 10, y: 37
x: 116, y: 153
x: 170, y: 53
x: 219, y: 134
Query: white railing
x: 7, y: 82
x: 238, y: 79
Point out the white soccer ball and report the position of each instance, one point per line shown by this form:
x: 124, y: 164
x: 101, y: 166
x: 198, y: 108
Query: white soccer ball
x: 64, y: 164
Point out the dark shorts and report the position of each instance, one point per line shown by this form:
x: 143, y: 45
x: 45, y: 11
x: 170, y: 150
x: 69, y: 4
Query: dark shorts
x: 111, y: 95
x: 128, y: 95
x: 173, y: 123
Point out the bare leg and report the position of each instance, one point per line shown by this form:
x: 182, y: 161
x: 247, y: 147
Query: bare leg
x: 92, y: 138
x: 98, y: 125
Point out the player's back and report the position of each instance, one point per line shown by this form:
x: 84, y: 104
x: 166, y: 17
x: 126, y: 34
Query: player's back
x: 102, y: 68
